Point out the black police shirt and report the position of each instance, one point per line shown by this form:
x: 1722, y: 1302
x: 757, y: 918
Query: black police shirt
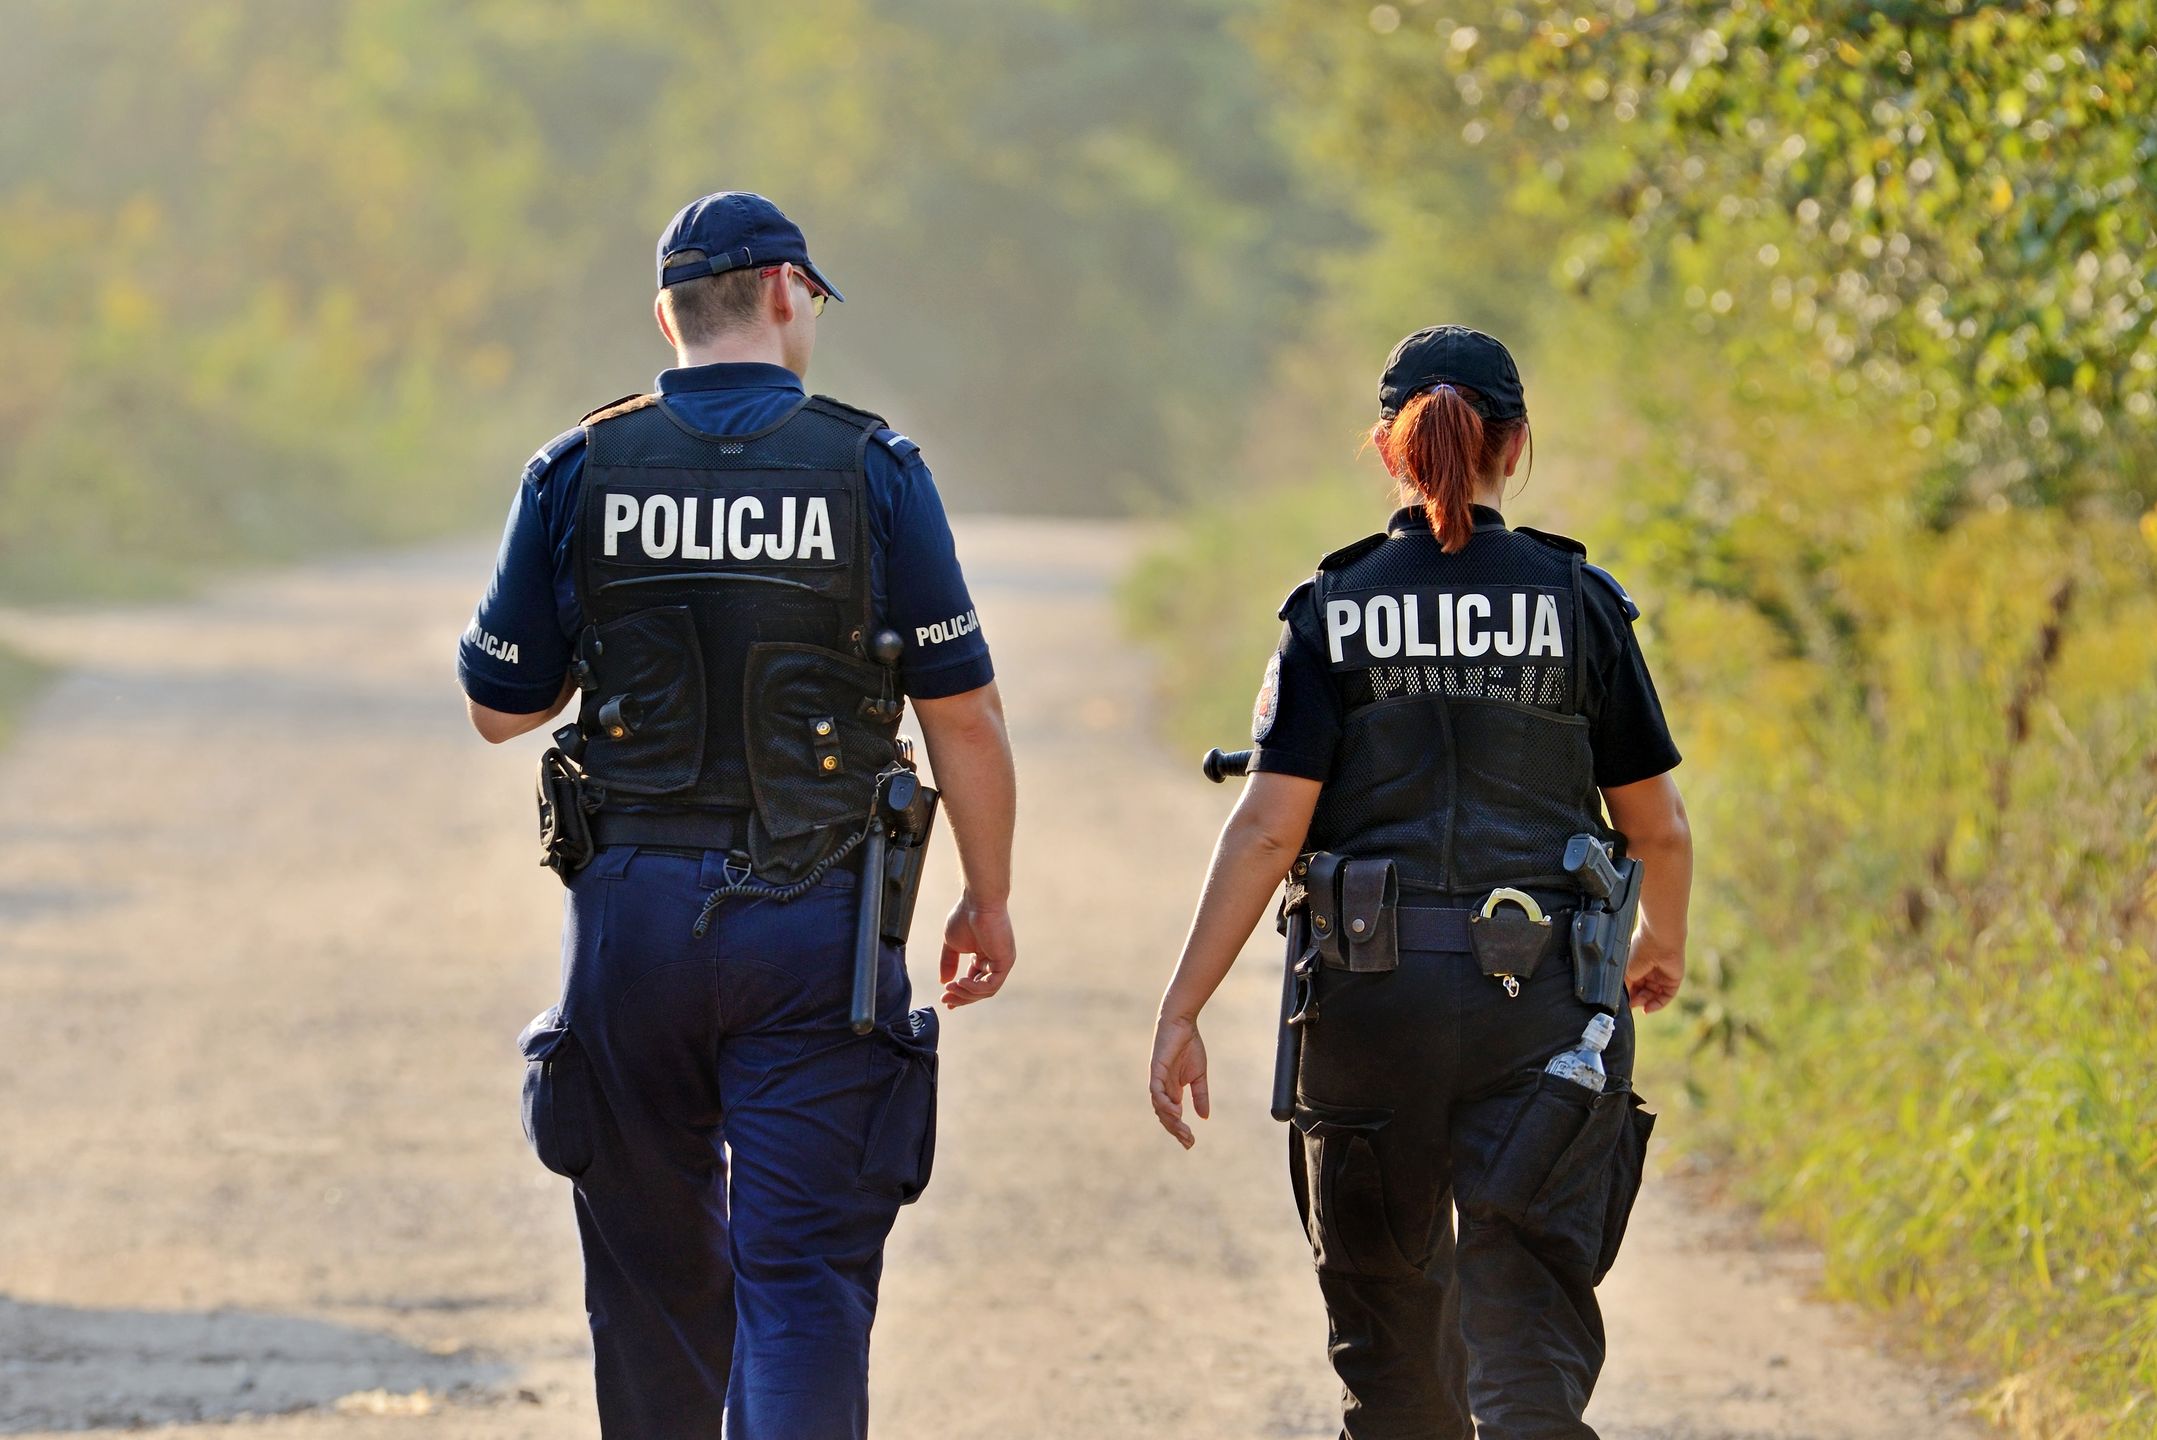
x: 515, y: 654
x: 1298, y: 719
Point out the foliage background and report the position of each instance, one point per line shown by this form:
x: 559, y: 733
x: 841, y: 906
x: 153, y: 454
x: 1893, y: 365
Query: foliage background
x: 276, y: 276
x: 1836, y: 320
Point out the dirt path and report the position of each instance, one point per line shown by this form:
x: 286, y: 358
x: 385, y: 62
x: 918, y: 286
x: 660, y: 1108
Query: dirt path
x: 269, y: 924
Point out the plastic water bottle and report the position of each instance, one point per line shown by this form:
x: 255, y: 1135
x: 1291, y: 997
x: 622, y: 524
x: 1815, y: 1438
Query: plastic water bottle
x: 1584, y: 1065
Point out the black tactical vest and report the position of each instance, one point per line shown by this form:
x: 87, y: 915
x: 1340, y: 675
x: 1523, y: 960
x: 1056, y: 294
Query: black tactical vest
x: 1465, y: 757
x: 726, y: 590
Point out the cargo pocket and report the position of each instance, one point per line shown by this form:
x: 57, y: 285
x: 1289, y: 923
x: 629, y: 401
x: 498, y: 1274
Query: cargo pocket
x: 1628, y: 1165
x: 557, y: 1095
x: 900, y: 1149
x: 1556, y: 1176
x: 1344, y: 1193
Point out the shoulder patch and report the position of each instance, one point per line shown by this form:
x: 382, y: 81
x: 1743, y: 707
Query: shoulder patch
x: 869, y: 417
x: 619, y: 407
x: 1293, y: 596
x: 1555, y: 541
x: 1632, y: 611
x: 549, y: 455
x: 1349, y: 554
x: 899, y: 445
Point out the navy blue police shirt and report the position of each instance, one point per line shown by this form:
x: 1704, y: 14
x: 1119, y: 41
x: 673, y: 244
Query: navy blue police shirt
x: 515, y: 654
x: 1300, y: 713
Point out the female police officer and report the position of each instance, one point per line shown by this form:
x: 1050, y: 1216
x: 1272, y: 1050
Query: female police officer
x: 1448, y: 698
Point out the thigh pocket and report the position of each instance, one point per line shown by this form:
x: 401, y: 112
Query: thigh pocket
x: 558, y: 1099
x: 900, y: 1149
x: 1346, y: 1215
x: 1567, y: 1172
x: 1629, y: 1164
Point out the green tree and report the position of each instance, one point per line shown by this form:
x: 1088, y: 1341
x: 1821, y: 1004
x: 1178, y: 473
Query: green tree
x: 1950, y: 205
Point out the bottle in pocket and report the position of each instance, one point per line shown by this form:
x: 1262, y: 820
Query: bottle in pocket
x: 1548, y: 1124
x: 1583, y: 1065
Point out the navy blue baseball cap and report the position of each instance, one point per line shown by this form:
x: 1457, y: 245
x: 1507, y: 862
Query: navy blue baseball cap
x: 734, y: 229
x: 1453, y: 355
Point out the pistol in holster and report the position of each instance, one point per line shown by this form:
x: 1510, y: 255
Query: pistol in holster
x: 894, y: 849
x: 567, y: 800
x: 1336, y: 914
x: 908, y: 809
x: 1603, y: 926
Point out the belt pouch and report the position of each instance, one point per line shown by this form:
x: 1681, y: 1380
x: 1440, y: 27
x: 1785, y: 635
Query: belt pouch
x: 1322, y: 903
x: 1352, y: 906
x: 565, y: 826
x: 1370, y: 903
x: 1507, y: 942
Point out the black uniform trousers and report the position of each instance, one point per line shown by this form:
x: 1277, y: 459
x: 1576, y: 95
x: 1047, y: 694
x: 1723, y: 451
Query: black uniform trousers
x: 1421, y: 1091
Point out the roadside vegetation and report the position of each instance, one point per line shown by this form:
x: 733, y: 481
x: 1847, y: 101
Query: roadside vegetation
x: 1837, y: 323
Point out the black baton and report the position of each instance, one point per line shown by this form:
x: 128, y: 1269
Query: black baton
x: 1219, y: 764
x: 869, y: 925
x: 885, y: 648
x: 1288, y: 1045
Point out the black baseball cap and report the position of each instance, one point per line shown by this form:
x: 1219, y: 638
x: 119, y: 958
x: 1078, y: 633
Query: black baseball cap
x: 734, y: 229
x: 1452, y: 355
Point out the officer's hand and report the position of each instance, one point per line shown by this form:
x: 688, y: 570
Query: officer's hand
x: 1179, y: 1059
x: 984, y: 932
x: 1655, y: 972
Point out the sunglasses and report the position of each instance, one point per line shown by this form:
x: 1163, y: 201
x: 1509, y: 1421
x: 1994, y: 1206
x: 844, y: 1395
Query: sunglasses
x: 817, y: 293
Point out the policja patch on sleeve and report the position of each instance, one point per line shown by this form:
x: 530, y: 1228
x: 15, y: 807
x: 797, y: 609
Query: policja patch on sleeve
x: 1268, y: 704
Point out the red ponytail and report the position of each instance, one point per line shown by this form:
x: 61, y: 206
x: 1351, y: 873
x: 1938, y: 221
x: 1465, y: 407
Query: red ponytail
x: 1441, y: 449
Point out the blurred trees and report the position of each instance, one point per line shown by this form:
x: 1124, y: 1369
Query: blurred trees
x: 276, y: 276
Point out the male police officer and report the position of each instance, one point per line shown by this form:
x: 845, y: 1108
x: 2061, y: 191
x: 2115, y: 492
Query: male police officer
x: 709, y: 569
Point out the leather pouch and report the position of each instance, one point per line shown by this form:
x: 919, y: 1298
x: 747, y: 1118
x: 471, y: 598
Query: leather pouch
x: 1322, y: 906
x: 565, y: 821
x: 1370, y: 902
x: 1507, y: 940
x: 1353, y: 907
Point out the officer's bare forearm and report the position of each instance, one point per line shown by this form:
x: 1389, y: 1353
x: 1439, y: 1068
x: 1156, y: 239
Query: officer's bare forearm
x: 1257, y: 845
x: 495, y: 726
x: 970, y: 753
x: 1651, y: 815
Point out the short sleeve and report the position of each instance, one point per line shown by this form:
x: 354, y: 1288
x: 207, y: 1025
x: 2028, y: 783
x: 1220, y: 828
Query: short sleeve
x: 1630, y: 737
x: 1297, y: 719
x: 923, y: 591
x: 514, y: 655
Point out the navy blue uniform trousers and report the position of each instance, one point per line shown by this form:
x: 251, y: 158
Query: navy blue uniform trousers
x: 739, y: 1153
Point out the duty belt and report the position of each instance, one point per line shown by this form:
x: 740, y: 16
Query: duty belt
x: 679, y: 829
x: 1427, y: 928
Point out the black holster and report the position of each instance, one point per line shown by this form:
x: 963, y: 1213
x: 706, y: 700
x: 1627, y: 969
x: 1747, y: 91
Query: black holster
x: 567, y: 799
x: 1603, y: 942
x: 905, y: 858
